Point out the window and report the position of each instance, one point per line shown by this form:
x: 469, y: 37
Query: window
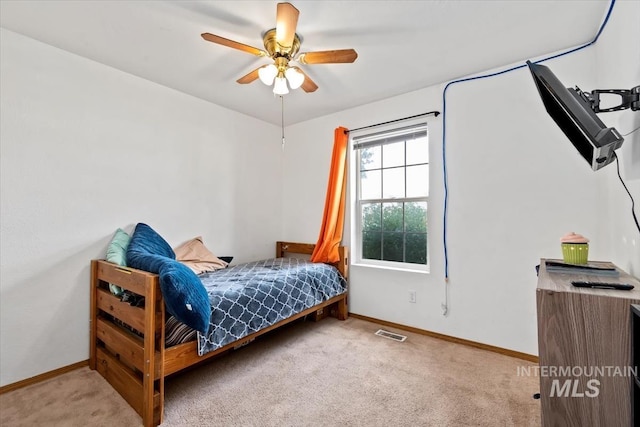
x: 392, y: 189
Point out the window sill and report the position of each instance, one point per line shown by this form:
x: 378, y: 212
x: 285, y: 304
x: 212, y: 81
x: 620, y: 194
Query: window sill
x: 391, y: 268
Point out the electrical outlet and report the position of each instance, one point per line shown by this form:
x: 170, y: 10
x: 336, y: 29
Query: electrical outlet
x: 412, y: 296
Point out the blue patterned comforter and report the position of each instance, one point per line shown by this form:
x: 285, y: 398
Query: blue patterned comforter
x: 249, y: 297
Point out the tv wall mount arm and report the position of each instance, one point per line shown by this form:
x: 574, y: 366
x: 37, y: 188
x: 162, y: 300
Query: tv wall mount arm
x: 630, y: 98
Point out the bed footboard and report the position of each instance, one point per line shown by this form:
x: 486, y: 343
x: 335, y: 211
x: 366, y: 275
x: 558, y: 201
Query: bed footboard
x: 282, y: 248
x: 338, y: 309
x: 131, y: 362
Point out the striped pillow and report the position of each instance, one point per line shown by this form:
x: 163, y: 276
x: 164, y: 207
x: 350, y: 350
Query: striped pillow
x: 177, y: 332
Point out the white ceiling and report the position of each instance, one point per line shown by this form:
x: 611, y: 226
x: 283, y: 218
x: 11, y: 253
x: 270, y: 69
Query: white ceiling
x: 402, y: 45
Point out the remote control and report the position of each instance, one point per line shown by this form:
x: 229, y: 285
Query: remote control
x: 602, y: 285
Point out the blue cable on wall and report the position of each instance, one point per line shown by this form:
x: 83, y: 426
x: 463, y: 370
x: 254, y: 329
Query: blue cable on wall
x: 444, y: 125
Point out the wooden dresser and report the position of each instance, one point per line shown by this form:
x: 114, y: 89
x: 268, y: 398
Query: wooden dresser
x: 584, y: 344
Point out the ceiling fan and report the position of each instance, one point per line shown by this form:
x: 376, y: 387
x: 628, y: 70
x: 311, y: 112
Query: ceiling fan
x: 282, y: 44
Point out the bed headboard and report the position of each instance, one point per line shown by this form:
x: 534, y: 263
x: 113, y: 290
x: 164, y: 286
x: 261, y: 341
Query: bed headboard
x: 342, y: 265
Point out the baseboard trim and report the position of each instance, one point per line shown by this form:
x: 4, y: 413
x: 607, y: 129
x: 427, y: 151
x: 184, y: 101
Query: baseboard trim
x: 43, y: 377
x: 494, y: 349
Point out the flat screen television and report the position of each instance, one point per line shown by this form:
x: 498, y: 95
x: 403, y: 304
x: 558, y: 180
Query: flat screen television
x: 573, y: 113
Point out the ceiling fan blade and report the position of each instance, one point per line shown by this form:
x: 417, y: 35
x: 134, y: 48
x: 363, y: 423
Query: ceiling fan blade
x: 249, y: 77
x: 308, y: 85
x: 286, y: 22
x: 233, y: 44
x: 328, y: 57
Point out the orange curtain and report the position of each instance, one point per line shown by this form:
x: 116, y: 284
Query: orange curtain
x: 326, y: 249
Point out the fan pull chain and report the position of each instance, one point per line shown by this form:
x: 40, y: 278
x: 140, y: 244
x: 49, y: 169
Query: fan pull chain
x: 282, y: 119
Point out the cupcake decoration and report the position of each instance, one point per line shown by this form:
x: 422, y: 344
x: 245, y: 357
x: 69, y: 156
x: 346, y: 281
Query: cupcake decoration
x: 575, y: 248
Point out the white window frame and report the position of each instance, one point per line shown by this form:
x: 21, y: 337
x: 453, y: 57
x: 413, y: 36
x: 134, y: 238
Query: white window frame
x: 388, y: 131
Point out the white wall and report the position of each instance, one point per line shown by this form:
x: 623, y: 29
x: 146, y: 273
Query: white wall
x: 86, y: 149
x: 618, y: 67
x: 516, y: 186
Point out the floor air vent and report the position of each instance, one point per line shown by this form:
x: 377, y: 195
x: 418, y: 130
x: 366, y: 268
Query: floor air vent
x: 390, y: 335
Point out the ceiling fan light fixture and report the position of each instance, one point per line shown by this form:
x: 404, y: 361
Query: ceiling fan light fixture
x: 282, y: 44
x: 280, y: 86
x: 295, y: 78
x: 267, y: 74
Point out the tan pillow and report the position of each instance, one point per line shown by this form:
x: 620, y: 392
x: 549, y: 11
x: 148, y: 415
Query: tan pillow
x: 197, y: 257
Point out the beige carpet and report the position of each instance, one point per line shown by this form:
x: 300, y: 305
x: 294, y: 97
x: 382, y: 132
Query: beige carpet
x: 308, y: 374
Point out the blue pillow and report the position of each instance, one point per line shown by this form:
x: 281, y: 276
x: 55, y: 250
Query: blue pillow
x: 184, y: 295
x: 145, y: 241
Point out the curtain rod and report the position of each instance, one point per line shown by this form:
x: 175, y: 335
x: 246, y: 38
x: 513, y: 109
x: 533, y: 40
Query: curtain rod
x: 435, y: 113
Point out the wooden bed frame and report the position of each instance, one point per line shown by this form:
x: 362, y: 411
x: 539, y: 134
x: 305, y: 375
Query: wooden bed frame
x: 136, y: 366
